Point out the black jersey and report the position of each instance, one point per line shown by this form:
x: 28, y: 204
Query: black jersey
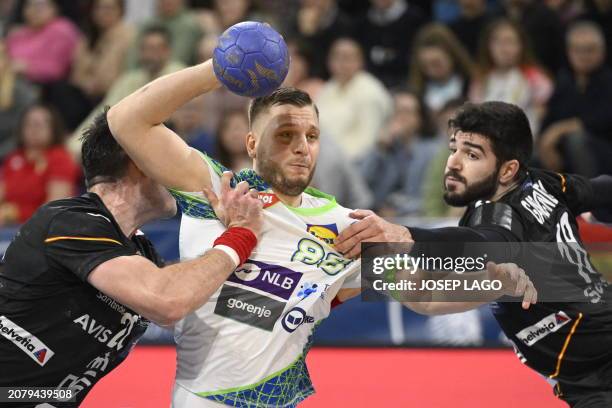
x: 562, y: 340
x: 57, y: 330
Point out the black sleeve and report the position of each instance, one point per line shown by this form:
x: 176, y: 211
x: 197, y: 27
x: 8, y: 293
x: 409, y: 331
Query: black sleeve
x: 583, y: 194
x: 80, y: 241
x: 491, y: 233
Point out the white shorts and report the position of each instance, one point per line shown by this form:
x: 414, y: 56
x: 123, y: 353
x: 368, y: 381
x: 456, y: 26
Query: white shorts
x: 183, y: 398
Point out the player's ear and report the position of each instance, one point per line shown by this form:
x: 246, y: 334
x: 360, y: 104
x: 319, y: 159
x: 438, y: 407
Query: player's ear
x: 251, y: 145
x: 508, y: 171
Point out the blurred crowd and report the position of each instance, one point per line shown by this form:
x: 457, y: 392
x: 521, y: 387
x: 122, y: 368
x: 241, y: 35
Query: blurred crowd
x: 386, y: 75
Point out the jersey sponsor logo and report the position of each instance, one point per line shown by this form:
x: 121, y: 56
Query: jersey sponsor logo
x: 273, y: 279
x: 307, y: 289
x: 268, y: 199
x: 550, y: 324
x: 325, y: 232
x: 106, y: 335
x: 540, y: 203
x: 110, y: 302
x: 26, y: 341
x: 248, y: 307
x: 294, y: 318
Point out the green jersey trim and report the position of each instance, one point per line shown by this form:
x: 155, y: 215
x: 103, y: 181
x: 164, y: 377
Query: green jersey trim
x: 318, y: 210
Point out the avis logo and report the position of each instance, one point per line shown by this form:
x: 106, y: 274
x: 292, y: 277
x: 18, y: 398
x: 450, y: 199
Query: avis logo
x: 550, y: 324
x: 294, y: 318
x: 326, y: 232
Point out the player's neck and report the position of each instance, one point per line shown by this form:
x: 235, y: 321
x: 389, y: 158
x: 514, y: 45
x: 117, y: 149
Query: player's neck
x: 122, y: 202
x: 291, y: 201
x: 502, y: 190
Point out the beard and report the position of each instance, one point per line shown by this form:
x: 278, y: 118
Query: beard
x: 480, y: 190
x: 273, y: 174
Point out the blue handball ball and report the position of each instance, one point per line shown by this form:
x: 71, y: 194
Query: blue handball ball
x: 251, y: 59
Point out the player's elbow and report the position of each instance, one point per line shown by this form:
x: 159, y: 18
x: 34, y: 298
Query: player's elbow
x: 169, y: 311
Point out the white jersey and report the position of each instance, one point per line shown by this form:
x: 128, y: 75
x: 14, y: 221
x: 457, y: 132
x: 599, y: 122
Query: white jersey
x: 246, y: 346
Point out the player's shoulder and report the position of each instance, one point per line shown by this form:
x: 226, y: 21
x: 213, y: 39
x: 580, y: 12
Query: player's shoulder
x: 85, y: 214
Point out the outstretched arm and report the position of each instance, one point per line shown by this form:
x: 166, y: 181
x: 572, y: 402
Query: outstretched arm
x: 137, y: 124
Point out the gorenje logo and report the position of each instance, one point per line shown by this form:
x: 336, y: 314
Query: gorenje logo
x: 26, y: 341
x: 551, y: 323
x: 273, y: 279
x: 248, y: 307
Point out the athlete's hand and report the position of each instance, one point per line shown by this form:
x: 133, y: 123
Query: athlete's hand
x: 237, y: 207
x: 515, y: 282
x: 369, y: 228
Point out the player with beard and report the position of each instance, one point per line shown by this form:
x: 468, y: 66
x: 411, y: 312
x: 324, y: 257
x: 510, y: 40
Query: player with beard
x: 566, y: 340
x: 247, y: 345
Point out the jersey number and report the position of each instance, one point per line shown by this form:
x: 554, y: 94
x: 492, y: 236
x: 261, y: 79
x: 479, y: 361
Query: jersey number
x: 313, y: 253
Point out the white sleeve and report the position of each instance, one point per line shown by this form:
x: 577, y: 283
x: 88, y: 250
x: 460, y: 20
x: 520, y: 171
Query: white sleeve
x: 353, y: 277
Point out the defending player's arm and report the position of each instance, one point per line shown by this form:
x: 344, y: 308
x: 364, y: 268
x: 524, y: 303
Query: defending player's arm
x: 515, y: 282
x: 137, y: 124
x: 163, y: 295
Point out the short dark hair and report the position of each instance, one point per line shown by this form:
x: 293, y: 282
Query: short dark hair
x: 281, y: 96
x: 157, y: 29
x: 104, y: 160
x: 504, y: 124
x: 57, y: 124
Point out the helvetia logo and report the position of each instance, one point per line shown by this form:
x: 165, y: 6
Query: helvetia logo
x: 26, y: 341
x: 550, y: 324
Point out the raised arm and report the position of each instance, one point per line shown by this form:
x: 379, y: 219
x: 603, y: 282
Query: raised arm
x: 137, y: 124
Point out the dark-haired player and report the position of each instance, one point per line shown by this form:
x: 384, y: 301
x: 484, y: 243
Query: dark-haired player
x: 80, y: 284
x: 568, y: 342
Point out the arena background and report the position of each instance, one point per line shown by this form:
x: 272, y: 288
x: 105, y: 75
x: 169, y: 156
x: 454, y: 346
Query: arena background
x: 365, y: 354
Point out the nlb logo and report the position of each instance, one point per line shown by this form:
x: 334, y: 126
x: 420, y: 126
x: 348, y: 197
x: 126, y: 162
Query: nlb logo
x: 294, y: 318
x: 326, y: 233
x: 26, y: 341
x: 550, y: 324
x: 273, y: 279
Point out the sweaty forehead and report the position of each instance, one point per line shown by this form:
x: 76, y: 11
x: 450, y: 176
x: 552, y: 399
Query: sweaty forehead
x: 278, y: 116
x: 460, y: 137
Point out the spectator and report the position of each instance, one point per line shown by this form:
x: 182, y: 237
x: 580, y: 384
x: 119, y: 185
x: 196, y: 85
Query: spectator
x: 43, y: 49
x: 509, y: 73
x: 473, y: 19
x: 577, y: 133
x: 40, y: 170
x: 101, y: 56
x: 6, y: 12
x: 299, y: 71
x: 99, y: 60
x: 543, y: 27
x: 433, y: 191
x: 600, y: 12
x: 155, y: 61
x: 441, y: 68
x: 319, y: 23
x: 230, y: 12
x: 386, y: 35
x: 185, y: 31
x: 15, y: 95
x: 188, y: 122
x: 354, y: 104
x: 231, y: 148
x: 396, y: 168
x: 336, y: 175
